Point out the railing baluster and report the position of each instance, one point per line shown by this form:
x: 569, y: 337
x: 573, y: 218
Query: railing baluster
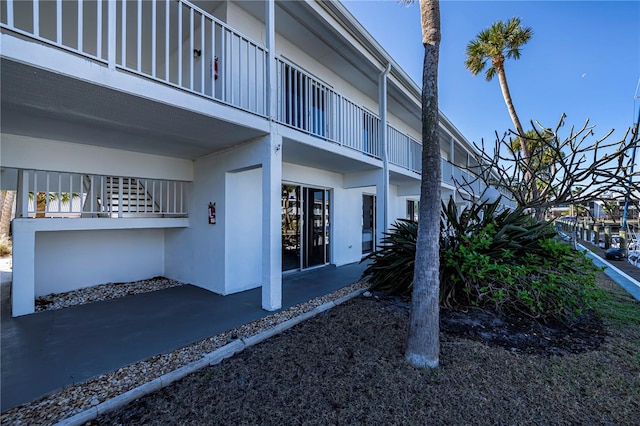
x: 91, y: 193
x: 175, y: 195
x: 99, y: 29
x: 180, y: 44
x: 167, y: 25
x: 60, y: 192
x: 80, y: 25
x: 47, y: 192
x: 59, y: 21
x: 120, y: 196
x: 213, y: 60
x: 191, y: 50
x: 139, y: 38
x: 35, y: 191
x: 123, y: 48
x: 36, y: 18
x: 10, y: 13
x: 153, y: 38
x: 256, y: 89
x: 70, y: 193
x: 202, y: 52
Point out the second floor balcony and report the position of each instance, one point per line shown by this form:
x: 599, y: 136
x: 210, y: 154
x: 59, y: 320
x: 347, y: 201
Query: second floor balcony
x: 177, y: 44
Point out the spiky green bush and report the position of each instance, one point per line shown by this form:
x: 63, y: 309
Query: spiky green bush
x: 504, y: 261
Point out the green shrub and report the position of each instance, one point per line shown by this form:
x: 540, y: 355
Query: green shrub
x: 503, y: 261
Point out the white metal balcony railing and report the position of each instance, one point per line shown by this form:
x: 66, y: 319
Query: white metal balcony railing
x: 170, y: 41
x: 403, y: 150
x: 58, y: 194
x: 308, y: 104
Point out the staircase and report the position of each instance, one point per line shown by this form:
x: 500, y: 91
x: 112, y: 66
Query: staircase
x: 127, y: 197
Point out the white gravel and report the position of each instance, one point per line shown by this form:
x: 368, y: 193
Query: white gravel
x: 102, y: 292
x: 80, y: 397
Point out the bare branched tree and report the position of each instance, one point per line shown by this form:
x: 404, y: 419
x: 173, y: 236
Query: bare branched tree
x: 597, y: 168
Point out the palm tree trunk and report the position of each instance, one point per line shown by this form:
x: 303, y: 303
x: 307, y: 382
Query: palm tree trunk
x: 524, y: 147
x: 423, y: 342
x: 7, y: 208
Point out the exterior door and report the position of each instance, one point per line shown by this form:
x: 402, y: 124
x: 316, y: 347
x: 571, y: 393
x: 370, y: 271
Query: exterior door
x: 316, y: 227
x: 368, y: 222
x: 291, y: 219
x: 305, y: 227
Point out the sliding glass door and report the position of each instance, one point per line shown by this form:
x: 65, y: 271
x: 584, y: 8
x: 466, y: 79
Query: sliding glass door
x: 305, y: 227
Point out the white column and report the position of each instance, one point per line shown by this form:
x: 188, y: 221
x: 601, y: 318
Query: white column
x: 23, y: 284
x: 271, y: 223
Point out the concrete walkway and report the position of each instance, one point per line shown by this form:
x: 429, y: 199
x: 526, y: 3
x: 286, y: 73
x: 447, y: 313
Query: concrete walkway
x: 621, y: 271
x: 46, y: 351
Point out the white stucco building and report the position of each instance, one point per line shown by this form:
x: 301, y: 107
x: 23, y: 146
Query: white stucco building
x: 286, y: 115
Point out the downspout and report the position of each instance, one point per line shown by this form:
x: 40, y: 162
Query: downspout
x: 382, y: 102
x: 270, y: 29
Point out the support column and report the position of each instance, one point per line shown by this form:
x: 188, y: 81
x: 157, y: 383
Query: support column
x: 271, y: 223
x: 23, y: 283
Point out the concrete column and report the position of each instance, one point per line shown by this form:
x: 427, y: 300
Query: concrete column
x: 24, y: 258
x: 596, y: 234
x: 607, y: 237
x: 271, y: 223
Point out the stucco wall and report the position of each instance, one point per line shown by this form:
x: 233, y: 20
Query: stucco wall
x: 201, y: 255
x: 70, y: 260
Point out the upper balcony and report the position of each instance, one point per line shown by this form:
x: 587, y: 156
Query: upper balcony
x: 171, y: 41
x: 176, y: 45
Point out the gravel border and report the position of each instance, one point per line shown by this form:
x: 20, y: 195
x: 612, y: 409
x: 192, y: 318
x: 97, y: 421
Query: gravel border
x: 102, y: 292
x: 77, y: 404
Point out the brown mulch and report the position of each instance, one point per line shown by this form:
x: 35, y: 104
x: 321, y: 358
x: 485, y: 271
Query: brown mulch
x: 346, y: 366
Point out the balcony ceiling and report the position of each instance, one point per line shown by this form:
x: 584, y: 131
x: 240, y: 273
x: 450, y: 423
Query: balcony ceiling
x: 316, y: 157
x: 42, y: 104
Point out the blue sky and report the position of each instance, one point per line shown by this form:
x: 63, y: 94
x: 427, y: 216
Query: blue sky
x: 583, y: 60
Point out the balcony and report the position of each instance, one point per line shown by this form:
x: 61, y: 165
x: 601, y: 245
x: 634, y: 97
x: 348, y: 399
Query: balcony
x: 47, y: 194
x: 177, y: 44
x: 170, y: 41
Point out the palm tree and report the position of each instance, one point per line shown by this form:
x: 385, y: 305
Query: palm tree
x: 423, y: 344
x: 499, y: 42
